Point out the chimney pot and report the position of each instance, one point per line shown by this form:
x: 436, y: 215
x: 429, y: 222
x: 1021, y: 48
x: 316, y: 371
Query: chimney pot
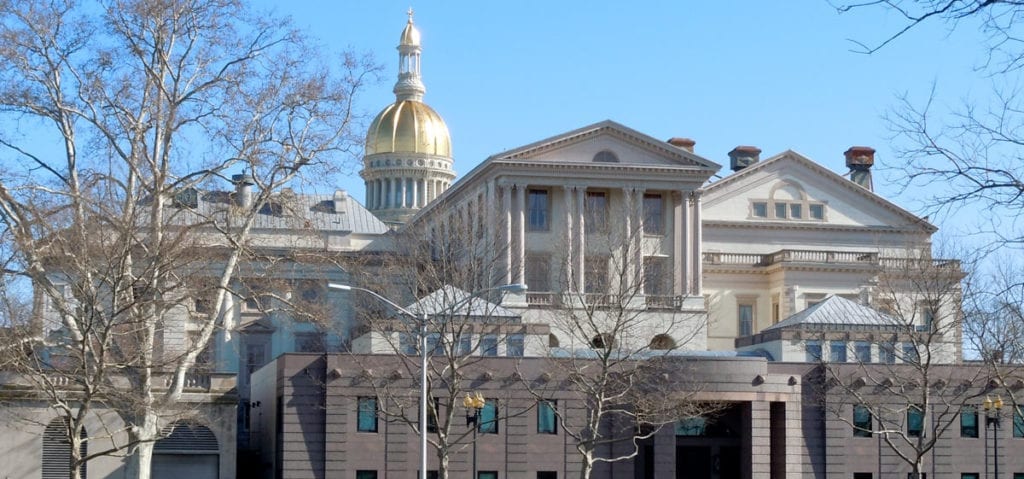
x: 859, y: 160
x: 684, y: 143
x: 743, y: 156
x: 243, y: 189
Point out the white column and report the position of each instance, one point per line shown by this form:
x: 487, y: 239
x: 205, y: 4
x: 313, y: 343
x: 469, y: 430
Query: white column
x: 567, y: 193
x: 581, y: 239
x: 404, y: 190
x: 638, y: 237
x: 521, y: 233
x: 416, y: 193
x: 393, y: 194
x: 423, y: 192
x: 697, y: 285
x: 627, y: 241
x: 506, y: 208
x: 680, y: 243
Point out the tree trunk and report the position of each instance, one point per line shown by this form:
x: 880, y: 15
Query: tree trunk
x: 588, y: 465
x: 140, y: 463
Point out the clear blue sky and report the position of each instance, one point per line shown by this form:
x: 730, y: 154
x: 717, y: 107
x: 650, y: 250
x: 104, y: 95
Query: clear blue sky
x: 777, y: 75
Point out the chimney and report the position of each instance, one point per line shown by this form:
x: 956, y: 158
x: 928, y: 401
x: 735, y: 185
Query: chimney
x: 859, y: 160
x: 243, y: 190
x: 340, y: 197
x: 743, y: 156
x: 684, y: 143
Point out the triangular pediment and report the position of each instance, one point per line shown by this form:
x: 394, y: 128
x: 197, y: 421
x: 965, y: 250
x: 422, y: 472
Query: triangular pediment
x: 261, y: 325
x: 607, y: 144
x: 791, y: 178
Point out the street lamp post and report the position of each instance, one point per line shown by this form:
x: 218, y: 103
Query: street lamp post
x: 422, y: 319
x: 473, y: 404
x: 993, y: 408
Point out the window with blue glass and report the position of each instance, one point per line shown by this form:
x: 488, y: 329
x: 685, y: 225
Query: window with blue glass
x: 515, y: 345
x: 487, y: 475
x: 691, y: 426
x: 489, y: 345
x: 969, y: 421
x: 837, y: 351
x: 366, y: 474
x: 862, y: 349
x: 1018, y: 422
x: 367, y: 421
x: 537, y: 209
x: 465, y: 344
x: 861, y: 421
x: 813, y: 350
x: 546, y: 417
x: 488, y: 423
x: 915, y: 421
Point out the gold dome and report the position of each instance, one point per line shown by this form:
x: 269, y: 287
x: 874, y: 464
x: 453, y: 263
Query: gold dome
x: 408, y: 126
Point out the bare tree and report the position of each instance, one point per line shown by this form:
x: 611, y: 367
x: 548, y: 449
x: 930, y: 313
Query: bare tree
x: 121, y: 112
x: 611, y: 349
x: 442, y: 274
x: 997, y: 19
x: 911, y: 393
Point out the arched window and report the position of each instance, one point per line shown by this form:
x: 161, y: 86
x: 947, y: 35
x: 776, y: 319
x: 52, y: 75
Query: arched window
x: 602, y: 341
x: 605, y: 156
x: 57, y: 450
x: 553, y: 341
x: 187, y: 450
x: 662, y: 342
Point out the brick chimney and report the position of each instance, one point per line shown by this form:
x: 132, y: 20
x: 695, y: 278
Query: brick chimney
x: 743, y: 156
x: 684, y: 143
x: 859, y: 160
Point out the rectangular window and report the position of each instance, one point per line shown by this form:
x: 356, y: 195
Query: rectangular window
x: 887, y: 353
x: 1018, y: 422
x: 915, y: 421
x: 796, y: 211
x: 837, y: 351
x: 654, y: 214
x: 780, y: 210
x: 488, y: 422
x: 817, y: 212
x: 1018, y: 475
x: 862, y: 349
x: 514, y: 346
x: 537, y: 206
x: 367, y: 421
x: 432, y: 415
x: 910, y: 353
x: 434, y: 344
x: 969, y: 475
x: 546, y: 417
x: 759, y: 209
x: 595, y: 274
x: 921, y: 475
x: 547, y: 475
x: 489, y: 345
x: 746, y: 319
x: 366, y: 474
x: 775, y: 310
x: 862, y: 475
x: 968, y: 421
x: 309, y: 343
x: 691, y: 426
x: 596, y: 212
x: 538, y: 276
x: 656, y: 276
x: 813, y: 350
x: 861, y: 421
x: 487, y: 475
x: 465, y: 344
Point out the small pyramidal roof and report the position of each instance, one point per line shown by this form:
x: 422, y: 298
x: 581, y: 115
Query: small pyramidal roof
x: 441, y: 302
x: 836, y: 312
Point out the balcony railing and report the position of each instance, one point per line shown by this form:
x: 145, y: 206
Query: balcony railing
x: 821, y: 257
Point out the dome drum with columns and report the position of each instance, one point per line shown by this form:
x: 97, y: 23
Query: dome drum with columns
x: 408, y: 159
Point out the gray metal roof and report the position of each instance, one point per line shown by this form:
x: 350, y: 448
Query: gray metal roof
x: 440, y: 302
x: 315, y: 213
x: 836, y: 312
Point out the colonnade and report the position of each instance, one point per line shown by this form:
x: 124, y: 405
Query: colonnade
x: 391, y: 193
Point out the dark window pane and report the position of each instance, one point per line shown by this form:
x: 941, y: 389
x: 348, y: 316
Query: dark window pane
x: 968, y: 421
x: 489, y: 417
x: 915, y: 421
x: 537, y: 209
x: 546, y: 417
x: 367, y: 421
x: 861, y: 421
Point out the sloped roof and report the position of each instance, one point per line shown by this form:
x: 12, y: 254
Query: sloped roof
x: 722, y: 186
x: 291, y: 211
x: 836, y: 312
x: 441, y: 301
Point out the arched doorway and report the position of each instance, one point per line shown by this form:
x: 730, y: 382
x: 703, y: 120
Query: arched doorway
x: 186, y: 451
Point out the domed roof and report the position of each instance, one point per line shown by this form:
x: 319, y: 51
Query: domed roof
x: 410, y: 35
x: 408, y: 126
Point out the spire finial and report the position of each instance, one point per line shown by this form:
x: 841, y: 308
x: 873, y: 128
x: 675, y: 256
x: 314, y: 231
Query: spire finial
x: 410, y: 14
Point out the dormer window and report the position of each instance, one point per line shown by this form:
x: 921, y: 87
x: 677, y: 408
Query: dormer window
x: 605, y: 156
